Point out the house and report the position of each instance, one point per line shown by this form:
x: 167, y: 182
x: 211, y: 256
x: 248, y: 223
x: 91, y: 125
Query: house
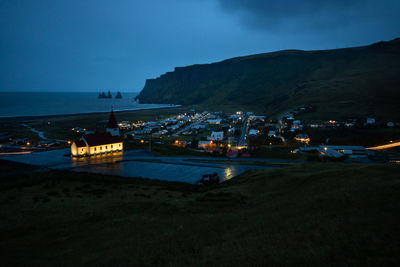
x: 216, y: 136
x: 214, y: 121
x: 271, y: 133
x: 390, y: 124
x: 290, y: 117
x: 253, y: 132
x: 207, y: 145
x: 338, y: 151
x: 125, y: 124
x: 254, y: 117
x: 198, y: 126
x: 350, y: 151
x: 204, y: 144
x: 296, y: 127
x: 180, y: 143
x: 370, y: 121
x: 95, y: 144
x: 302, y: 138
x: 22, y: 141
x: 315, y: 125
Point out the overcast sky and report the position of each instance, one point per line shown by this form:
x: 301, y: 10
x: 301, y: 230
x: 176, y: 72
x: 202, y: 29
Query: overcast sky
x: 94, y: 45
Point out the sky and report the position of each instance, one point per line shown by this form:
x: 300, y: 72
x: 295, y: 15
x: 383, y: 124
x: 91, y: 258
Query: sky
x: 97, y: 45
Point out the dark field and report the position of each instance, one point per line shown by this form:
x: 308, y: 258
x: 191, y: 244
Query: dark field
x: 60, y: 126
x: 311, y: 214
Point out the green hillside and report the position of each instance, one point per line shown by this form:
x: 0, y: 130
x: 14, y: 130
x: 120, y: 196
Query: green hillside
x: 352, y: 81
x: 306, y: 215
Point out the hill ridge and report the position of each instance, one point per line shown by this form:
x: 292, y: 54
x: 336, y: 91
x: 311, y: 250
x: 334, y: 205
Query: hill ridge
x: 364, y: 77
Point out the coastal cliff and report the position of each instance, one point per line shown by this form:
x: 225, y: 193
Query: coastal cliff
x: 352, y: 80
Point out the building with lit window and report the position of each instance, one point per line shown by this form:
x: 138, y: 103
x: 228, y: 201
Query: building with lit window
x: 99, y: 143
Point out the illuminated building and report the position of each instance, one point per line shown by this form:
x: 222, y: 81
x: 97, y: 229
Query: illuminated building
x: 99, y: 143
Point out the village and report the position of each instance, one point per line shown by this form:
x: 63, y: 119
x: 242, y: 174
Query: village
x: 231, y: 135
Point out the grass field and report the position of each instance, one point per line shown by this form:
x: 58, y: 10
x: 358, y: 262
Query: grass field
x: 311, y: 215
x: 60, y: 127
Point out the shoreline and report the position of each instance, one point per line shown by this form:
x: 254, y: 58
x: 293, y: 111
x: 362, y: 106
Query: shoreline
x: 32, y: 117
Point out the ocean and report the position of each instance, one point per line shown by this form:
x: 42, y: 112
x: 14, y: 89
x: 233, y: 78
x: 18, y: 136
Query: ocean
x: 16, y: 104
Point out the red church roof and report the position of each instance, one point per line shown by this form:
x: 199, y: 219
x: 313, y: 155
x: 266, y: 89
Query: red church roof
x: 80, y: 143
x: 98, y: 139
x: 112, y: 122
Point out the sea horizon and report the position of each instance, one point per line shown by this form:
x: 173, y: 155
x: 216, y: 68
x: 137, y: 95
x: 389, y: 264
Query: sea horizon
x: 27, y: 104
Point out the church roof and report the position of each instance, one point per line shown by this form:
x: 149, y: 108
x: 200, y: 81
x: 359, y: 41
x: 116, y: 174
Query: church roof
x: 112, y: 122
x: 80, y: 143
x: 98, y: 139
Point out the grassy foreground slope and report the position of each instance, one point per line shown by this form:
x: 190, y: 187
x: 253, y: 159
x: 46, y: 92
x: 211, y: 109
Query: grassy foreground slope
x: 311, y: 215
x: 357, y: 81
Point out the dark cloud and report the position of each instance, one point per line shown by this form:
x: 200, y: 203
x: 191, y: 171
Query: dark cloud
x: 313, y: 15
x: 49, y: 45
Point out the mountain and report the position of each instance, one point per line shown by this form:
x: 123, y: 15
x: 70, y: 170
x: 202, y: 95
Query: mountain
x: 349, y: 82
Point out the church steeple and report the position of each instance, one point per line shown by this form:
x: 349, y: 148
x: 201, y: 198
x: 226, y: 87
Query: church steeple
x: 112, y: 126
x: 112, y: 122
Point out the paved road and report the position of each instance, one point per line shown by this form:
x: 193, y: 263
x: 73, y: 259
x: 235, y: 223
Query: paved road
x: 382, y: 147
x: 280, y: 125
x: 245, y: 130
x: 190, y: 126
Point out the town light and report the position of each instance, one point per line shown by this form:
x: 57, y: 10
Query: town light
x: 28, y: 143
x: 325, y: 148
x: 142, y: 141
x: 69, y: 142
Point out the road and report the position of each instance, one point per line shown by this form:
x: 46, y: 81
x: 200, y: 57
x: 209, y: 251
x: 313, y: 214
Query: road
x: 390, y: 145
x: 245, y: 130
x: 279, y: 126
x: 191, y: 125
x: 41, y: 134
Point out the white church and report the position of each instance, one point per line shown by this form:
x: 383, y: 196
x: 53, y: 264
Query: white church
x: 99, y: 143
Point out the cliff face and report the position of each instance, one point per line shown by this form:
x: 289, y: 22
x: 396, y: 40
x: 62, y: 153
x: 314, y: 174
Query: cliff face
x: 362, y: 79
